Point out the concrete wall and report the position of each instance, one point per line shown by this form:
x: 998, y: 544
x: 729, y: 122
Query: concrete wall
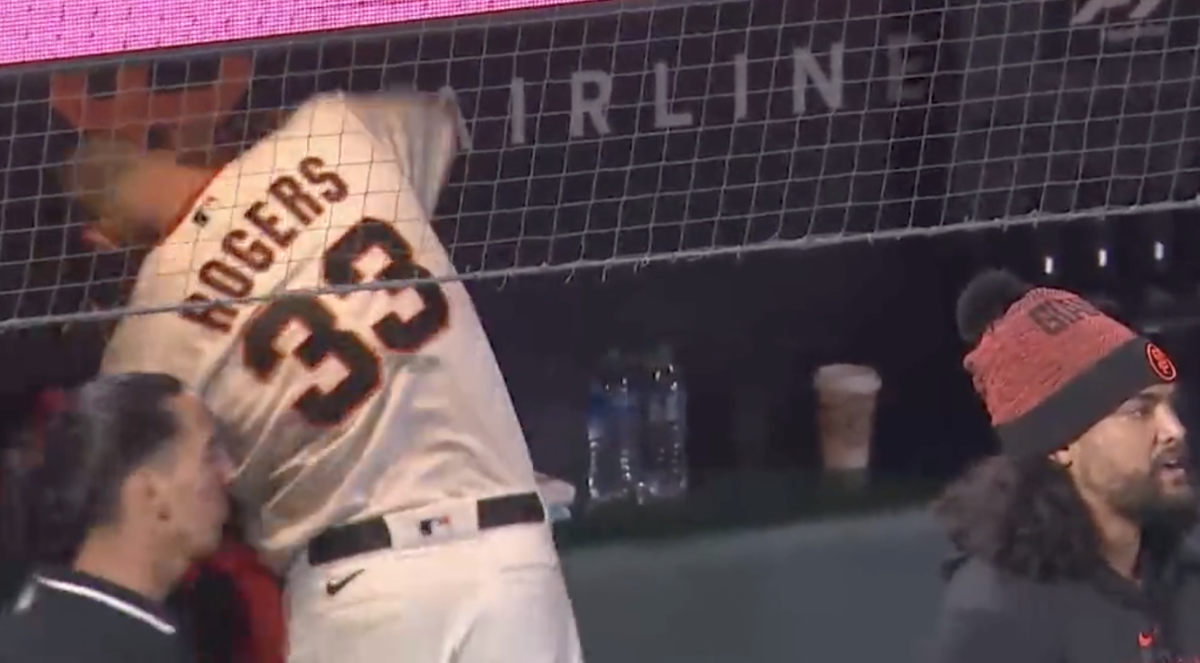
x: 856, y: 590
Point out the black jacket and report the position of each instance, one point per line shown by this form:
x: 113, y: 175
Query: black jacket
x: 68, y: 617
x: 992, y: 616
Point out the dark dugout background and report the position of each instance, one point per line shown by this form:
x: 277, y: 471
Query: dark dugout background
x: 1059, y: 117
x: 750, y: 327
x: 1086, y: 120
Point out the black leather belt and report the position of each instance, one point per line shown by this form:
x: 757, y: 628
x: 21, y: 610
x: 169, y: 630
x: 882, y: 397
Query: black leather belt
x: 372, y: 535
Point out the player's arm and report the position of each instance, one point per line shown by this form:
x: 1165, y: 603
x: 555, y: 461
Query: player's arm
x: 134, y: 198
x: 421, y: 131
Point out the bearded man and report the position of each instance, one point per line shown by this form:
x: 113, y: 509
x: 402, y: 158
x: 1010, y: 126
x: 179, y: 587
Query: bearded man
x: 1071, y: 539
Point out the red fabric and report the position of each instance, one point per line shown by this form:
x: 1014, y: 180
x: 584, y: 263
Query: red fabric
x: 1043, y: 341
x: 261, y: 599
x: 49, y: 401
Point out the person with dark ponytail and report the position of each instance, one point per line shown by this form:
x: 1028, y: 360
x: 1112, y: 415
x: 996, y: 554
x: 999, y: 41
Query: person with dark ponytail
x: 110, y: 505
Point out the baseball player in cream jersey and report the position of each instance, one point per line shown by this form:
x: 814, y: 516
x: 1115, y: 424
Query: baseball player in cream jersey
x: 378, y: 454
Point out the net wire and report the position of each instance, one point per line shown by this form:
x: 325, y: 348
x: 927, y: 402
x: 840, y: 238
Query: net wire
x: 641, y: 136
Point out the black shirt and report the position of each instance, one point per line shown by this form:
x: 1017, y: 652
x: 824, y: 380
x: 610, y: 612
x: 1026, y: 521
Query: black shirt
x: 69, y: 617
x: 991, y: 616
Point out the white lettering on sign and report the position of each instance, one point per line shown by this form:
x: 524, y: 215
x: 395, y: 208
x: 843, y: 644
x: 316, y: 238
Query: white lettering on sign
x: 592, y: 106
x: 664, y: 117
x: 909, y: 70
x: 591, y: 95
x: 1091, y: 10
x: 1129, y: 20
x: 806, y: 69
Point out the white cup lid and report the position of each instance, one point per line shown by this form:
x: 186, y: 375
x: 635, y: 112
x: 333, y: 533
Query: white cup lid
x: 847, y: 379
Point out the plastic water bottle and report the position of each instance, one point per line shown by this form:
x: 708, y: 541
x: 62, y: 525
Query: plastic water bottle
x: 664, y: 434
x: 613, y: 433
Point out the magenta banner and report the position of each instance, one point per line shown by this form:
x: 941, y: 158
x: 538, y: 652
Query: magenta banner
x: 45, y: 30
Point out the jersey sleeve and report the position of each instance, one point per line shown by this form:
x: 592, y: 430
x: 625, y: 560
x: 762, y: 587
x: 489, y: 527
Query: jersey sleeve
x: 421, y: 131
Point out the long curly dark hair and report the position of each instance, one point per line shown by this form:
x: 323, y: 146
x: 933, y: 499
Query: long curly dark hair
x: 1025, y: 516
x: 1022, y: 515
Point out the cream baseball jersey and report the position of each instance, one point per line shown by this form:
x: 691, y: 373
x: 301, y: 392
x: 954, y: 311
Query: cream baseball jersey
x: 342, y: 406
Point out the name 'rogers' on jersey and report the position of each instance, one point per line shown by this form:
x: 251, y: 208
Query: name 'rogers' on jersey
x: 342, y: 406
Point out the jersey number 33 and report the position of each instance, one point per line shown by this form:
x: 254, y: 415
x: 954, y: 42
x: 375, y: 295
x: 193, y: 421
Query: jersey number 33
x: 326, y: 341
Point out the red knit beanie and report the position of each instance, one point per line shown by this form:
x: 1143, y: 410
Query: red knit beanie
x: 1048, y: 364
